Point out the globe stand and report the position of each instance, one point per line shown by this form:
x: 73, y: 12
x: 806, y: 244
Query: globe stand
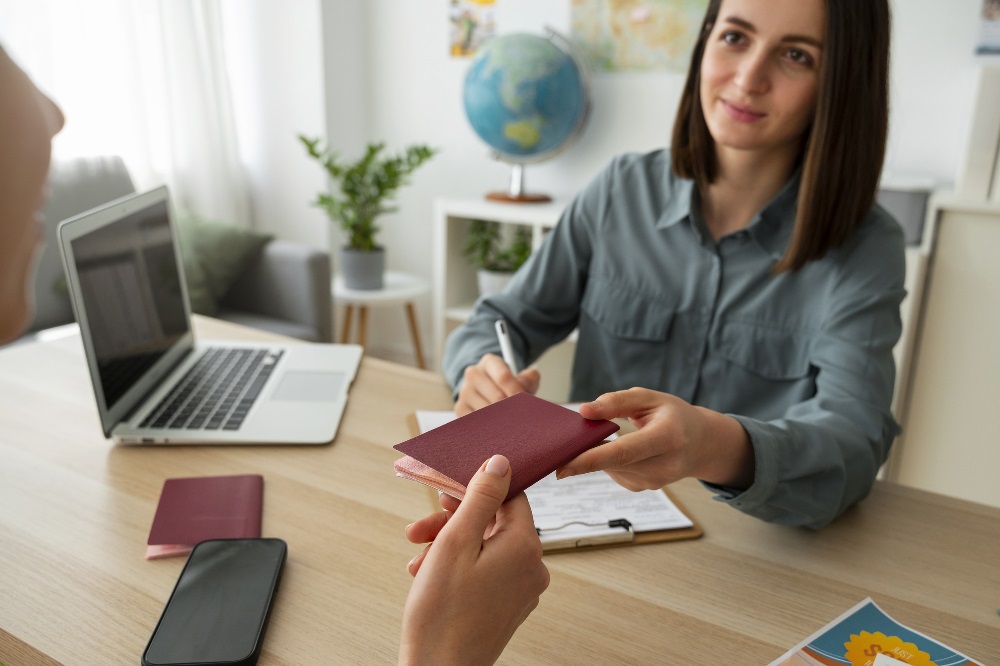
x: 516, y: 192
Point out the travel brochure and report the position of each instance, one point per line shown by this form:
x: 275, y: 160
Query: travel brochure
x: 866, y: 636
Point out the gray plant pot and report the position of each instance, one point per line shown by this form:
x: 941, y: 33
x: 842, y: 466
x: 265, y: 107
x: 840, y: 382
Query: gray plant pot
x: 491, y: 282
x: 362, y: 269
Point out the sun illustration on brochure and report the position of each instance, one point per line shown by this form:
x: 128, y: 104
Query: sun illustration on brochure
x: 866, y: 636
x: 865, y: 646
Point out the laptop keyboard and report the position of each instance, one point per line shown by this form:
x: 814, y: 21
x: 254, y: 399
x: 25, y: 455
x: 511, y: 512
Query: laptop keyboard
x: 217, y: 392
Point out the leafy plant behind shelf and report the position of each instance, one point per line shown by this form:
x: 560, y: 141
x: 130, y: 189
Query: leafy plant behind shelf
x: 485, y: 248
x: 363, y: 187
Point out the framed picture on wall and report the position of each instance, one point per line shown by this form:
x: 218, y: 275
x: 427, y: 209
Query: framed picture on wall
x: 471, y: 23
x: 989, y: 28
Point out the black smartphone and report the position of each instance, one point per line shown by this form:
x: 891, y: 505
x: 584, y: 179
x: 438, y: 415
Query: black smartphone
x: 219, y: 608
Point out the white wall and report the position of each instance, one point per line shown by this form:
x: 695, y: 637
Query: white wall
x: 415, y: 96
x: 933, y: 86
x: 279, y: 91
x: 346, y: 65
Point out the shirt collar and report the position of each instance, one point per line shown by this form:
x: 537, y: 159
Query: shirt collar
x: 679, y: 201
x: 771, y: 228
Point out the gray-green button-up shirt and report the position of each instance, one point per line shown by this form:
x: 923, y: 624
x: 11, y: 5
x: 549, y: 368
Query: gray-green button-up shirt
x: 802, y: 359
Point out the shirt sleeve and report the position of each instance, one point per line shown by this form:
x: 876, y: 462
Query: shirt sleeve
x: 823, y: 455
x: 541, y: 304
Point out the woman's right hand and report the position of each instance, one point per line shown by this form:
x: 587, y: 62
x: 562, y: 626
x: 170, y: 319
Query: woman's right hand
x: 674, y: 439
x: 491, y: 381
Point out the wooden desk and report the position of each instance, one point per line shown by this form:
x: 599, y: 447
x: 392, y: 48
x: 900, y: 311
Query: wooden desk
x: 75, y: 512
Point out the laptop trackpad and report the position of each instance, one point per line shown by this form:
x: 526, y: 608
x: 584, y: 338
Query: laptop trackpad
x: 310, y: 386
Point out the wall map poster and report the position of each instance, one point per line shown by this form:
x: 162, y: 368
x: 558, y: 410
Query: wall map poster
x: 643, y: 35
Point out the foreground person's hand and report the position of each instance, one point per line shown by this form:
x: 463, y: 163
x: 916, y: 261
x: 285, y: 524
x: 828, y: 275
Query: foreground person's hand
x: 473, y: 586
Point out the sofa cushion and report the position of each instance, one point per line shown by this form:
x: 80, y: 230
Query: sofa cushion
x: 215, y: 255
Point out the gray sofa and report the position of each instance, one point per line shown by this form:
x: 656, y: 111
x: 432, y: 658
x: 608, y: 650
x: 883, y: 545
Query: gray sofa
x: 285, y: 290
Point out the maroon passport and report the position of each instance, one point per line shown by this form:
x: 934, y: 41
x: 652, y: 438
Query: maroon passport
x: 197, y: 508
x: 536, y: 436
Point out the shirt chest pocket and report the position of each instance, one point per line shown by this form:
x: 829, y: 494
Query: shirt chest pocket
x: 623, y: 314
x: 624, y: 340
x: 770, y: 353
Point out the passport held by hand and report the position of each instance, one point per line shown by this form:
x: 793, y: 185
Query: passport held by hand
x: 535, y: 435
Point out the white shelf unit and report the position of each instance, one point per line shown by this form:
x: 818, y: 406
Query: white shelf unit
x: 454, y: 279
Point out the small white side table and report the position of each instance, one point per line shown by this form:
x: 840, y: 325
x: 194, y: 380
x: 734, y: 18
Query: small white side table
x: 397, y: 288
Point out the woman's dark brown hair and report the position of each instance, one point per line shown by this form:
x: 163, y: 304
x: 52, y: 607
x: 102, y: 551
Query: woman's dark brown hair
x: 844, y: 147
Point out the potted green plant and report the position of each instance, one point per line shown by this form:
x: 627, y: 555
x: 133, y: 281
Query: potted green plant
x: 495, y: 257
x: 360, y: 195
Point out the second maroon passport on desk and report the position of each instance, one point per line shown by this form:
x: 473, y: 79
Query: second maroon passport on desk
x: 535, y: 435
x: 196, y: 509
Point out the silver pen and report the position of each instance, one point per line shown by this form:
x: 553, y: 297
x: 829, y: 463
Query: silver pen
x: 506, y: 348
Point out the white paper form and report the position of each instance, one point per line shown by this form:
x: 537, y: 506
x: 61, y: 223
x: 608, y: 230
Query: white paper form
x: 583, y: 508
x: 559, y: 506
x: 428, y: 420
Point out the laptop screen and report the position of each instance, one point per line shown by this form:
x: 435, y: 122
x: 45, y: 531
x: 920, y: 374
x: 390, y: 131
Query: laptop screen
x: 132, y: 295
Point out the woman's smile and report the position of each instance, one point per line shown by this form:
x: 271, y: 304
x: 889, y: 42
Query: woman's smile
x: 740, y: 112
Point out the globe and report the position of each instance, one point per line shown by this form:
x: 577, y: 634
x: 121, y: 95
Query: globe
x: 527, y: 98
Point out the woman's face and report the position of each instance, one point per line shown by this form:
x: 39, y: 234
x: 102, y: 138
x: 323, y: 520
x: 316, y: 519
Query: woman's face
x: 28, y: 121
x: 760, y: 73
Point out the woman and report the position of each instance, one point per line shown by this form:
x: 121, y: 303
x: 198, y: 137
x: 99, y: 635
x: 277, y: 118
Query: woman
x: 456, y: 611
x: 745, y: 280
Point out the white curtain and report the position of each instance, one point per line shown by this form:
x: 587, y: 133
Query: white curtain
x: 144, y: 79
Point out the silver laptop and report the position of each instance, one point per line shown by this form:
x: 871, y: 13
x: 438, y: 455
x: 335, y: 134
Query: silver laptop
x: 153, y: 382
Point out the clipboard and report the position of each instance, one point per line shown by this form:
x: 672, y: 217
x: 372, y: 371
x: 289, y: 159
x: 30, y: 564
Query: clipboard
x: 622, y: 533
x: 619, y: 530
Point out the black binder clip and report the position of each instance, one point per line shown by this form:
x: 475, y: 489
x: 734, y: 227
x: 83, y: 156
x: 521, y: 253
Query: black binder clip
x: 618, y: 530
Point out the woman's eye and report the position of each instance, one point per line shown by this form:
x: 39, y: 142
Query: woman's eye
x: 800, y: 57
x: 732, y: 37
